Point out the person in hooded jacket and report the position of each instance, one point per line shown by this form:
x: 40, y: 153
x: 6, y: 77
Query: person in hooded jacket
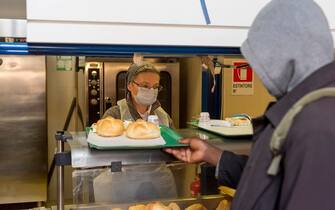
x: 290, y: 47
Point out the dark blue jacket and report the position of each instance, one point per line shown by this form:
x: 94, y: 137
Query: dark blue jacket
x: 307, y: 177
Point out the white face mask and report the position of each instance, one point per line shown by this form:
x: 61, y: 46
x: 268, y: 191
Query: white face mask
x: 146, y: 96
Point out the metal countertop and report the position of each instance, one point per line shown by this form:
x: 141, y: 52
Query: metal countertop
x: 85, y: 157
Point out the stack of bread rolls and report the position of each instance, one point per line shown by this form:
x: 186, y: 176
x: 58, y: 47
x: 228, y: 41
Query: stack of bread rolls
x: 223, y: 205
x: 155, y: 206
x: 161, y: 206
x: 110, y: 127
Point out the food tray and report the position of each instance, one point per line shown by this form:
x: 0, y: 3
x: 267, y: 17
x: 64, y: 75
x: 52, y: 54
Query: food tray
x: 218, y: 127
x: 169, y: 138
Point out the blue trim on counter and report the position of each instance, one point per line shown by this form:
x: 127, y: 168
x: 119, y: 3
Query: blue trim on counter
x: 205, y: 11
x: 108, y: 50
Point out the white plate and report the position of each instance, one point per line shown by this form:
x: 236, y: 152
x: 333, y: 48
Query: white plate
x: 122, y: 141
x: 222, y: 128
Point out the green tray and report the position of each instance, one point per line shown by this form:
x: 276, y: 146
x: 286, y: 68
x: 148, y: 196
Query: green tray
x: 170, y: 136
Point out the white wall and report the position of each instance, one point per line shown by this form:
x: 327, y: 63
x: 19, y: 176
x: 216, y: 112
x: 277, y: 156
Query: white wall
x: 241, y: 13
x: 186, y: 12
x: 146, y: 22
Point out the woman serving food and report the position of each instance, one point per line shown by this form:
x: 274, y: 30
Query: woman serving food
x: 141, y: 182
x: 141, y: 98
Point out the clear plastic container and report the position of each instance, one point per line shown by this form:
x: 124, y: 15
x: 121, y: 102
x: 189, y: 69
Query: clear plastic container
x: 134, y: 184
x: 153, y: 119
x: 204, y: 119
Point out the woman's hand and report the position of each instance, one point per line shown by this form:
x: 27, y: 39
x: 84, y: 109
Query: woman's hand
x: 198, y: 151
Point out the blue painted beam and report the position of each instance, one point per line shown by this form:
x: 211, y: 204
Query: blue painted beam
x: 85, y: 49
x: 109, y: 50
x: 13, y: 48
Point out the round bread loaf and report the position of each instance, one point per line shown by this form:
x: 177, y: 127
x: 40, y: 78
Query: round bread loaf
x: 196, y: 206
x: 137, y: 207
x: 238, y: 121
x: 223, y: 205
x: 157, y: 206
x: 142, y: 130
x: 174, y: 206
x: 109, y: 127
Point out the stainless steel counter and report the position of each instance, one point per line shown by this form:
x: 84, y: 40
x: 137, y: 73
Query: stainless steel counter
x: 84, y: 157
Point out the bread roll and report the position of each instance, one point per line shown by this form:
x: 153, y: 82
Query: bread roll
x: 109, y: 127
x: 223, y: 205
x: 157, y: 206
x: 196, y: 206
x: 174, y: 206
x: 142, y: 130
x: 137, y: 207
x: 238, y: 121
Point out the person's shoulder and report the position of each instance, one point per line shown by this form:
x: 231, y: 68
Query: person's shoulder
x: 320, y: 113
x: 315, y: 122
x: 161, y: 110
x: 113, y: 111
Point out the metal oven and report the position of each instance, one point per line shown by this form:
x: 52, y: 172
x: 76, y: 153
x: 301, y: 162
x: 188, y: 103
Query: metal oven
x: 105, y: 84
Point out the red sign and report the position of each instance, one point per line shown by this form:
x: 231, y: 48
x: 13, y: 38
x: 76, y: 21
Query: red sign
x: 243, y: 80
x: 242, y: 74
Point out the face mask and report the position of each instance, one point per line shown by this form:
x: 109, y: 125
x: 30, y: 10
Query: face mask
x: 146, y: 96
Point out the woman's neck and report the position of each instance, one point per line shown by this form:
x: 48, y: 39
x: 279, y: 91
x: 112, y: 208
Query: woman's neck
x: 140, y: 108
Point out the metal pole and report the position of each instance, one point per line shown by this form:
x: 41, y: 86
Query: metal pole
x: 60, y: 179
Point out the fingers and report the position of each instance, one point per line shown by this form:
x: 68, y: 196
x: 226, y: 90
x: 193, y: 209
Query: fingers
x: 188, y: 154
x: 180, y: 154
x: 185, y: 141
x: 168, y: 150
x: 194, y: 143
x: 189, y: 140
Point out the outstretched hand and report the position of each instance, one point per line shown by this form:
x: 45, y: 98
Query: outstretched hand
x: 198, y: 151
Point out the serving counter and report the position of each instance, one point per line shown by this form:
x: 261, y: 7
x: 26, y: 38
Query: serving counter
x: 90, y: 165
x: 84, y: 157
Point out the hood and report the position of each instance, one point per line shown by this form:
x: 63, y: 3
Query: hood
x: 288, y: 41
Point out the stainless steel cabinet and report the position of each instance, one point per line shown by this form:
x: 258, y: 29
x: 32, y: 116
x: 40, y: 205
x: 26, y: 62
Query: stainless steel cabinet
x: 23, y: 140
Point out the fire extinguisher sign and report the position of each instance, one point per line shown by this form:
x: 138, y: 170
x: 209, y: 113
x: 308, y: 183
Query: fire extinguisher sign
x: 243, y: 80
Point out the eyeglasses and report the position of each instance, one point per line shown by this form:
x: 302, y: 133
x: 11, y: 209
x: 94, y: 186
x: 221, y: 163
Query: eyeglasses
x: 156, y: 87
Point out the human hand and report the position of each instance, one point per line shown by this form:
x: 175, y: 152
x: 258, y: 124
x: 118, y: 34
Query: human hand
x: 198, y: 151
